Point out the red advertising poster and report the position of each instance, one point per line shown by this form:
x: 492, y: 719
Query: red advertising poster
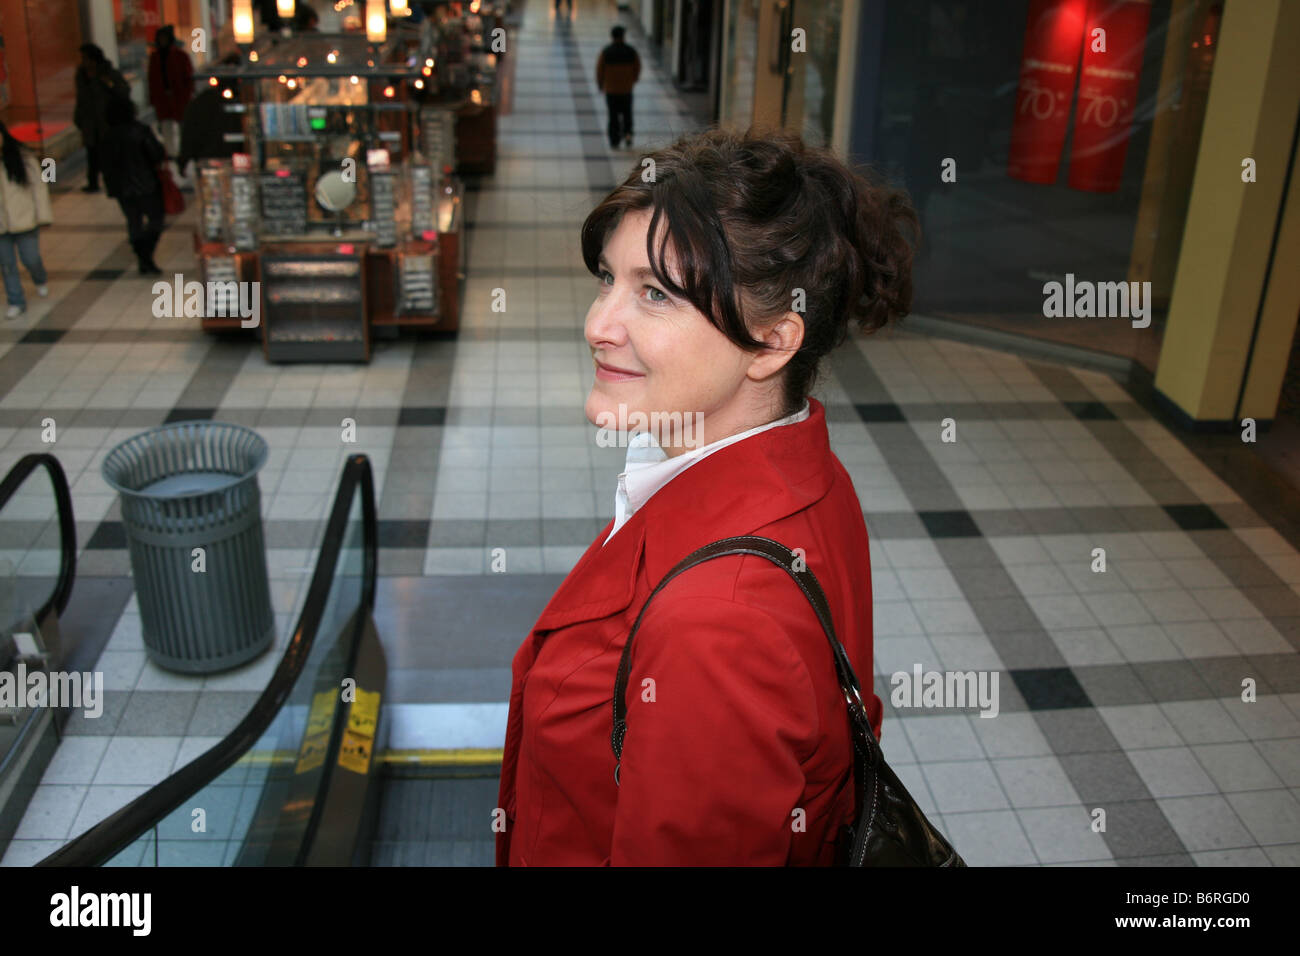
x: 1053, y: 36
x: 1108, y: 84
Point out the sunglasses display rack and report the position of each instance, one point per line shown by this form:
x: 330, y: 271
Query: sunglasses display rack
x: 382, y: 247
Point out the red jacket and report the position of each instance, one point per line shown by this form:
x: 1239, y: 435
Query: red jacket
x: 747, y: 724
x: 170, y: 103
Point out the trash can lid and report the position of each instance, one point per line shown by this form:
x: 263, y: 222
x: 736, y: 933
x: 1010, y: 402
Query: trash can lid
x: 184, y: 482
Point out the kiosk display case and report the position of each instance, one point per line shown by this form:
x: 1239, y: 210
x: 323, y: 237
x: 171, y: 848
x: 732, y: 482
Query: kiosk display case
x: 342, y: 204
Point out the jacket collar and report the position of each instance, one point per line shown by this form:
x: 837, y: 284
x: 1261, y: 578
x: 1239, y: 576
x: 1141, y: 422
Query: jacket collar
x: 734, y: 491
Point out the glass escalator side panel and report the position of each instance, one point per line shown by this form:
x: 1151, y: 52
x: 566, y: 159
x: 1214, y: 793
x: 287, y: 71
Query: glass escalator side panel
x: 259, y: 811
x: 31, y: 549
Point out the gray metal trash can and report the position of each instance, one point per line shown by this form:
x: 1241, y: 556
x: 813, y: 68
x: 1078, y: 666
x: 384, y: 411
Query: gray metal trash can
x: 194, y: 485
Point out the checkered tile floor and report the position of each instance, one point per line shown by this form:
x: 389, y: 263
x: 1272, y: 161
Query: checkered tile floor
x: 1122, y: 738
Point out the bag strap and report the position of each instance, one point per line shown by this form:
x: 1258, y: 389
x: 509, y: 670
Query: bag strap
x: 784, y: 558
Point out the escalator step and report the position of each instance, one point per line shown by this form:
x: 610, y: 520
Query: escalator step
x: 443, y: 811
x: 434, y: 853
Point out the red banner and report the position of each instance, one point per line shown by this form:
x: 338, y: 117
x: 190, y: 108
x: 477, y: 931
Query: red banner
x: 1053, y: 35
x: 1108, y: 84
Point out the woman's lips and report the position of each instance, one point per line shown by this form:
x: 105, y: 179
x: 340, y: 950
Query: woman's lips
x: 607, y: 374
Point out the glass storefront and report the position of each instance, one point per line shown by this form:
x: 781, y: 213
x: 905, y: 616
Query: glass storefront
x: 37, y: 65
x: 1045, y: 141
x: 740, y: 49
x: 775, y: 74
x: 810, y: 78
x: 136, y: 22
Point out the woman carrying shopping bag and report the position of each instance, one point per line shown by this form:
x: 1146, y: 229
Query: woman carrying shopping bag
x: 24, y: 208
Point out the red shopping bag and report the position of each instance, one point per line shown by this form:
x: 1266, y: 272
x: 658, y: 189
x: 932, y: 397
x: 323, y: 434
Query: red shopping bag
x: 173, y: 201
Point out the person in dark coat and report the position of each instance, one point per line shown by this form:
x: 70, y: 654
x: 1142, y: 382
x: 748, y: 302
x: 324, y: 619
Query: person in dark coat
x: 617, y: 69
x: 131, y: 154
x: 171, y: 85
x: 207, y: 121
x: 97, y: 80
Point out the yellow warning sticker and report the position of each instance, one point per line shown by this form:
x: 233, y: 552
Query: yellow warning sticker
x: 312, y: 754
x: 356, y: 751
x: 364, y: 715
x: 316, y: 741
x: 359, y: 739
x: 321, y: 714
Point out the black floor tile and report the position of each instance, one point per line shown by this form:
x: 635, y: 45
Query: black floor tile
x: 42, y: 336
x: 411, y: 533
x: 1090, y: 411
x: 1195, y: 517
x: 423, y: 415
x: 880, y: 412
x: 950, y: 524
x: 109, y: 534
x: 1050, y: 688
x: 182, y: 414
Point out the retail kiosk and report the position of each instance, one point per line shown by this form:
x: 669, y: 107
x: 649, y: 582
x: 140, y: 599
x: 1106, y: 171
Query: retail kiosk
x: 343, y: 201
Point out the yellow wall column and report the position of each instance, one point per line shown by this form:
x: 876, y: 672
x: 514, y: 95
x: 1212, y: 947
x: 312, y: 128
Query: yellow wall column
x: 1251, y: 113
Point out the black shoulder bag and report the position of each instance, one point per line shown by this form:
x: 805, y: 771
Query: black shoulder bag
x: 889, y: 829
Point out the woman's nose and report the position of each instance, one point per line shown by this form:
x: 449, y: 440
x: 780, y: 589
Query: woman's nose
x: 605, y: 320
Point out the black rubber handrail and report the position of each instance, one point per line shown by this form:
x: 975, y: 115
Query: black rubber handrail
x: 67, y: 526
x: 103, y: 841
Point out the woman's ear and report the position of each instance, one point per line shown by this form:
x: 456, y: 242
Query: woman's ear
x: 782, y: 338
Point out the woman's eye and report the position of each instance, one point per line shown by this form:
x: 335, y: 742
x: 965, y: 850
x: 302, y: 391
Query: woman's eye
x: 656, y: 292
x: 602, y: 275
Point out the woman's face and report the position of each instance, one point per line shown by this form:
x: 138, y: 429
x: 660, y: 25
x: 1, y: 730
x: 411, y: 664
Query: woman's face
x: 657, y: 353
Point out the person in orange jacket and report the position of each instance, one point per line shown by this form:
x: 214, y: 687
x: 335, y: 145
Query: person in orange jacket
x: 738, y: 746
x: 617, y: 69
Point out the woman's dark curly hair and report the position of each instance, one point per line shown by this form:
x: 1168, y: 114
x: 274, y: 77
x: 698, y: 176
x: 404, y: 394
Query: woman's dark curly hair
x: 754, y: 217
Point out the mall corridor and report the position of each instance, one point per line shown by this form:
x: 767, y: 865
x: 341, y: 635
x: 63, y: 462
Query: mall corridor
x: 1120, y: 690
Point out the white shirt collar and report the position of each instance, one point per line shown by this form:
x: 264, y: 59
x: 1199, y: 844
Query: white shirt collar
x: 648, y: 467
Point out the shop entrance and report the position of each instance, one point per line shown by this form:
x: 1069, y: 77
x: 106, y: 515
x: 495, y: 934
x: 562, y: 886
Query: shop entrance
x: 791, y: 49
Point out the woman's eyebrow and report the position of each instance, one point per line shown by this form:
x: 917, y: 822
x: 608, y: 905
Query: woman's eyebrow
x: 640, y: 272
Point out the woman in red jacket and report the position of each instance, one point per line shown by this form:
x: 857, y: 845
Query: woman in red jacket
x: 722, y: 283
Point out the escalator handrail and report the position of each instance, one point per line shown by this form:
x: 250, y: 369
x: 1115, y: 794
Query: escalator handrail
x: 109, y: 837
x: 67, y: 526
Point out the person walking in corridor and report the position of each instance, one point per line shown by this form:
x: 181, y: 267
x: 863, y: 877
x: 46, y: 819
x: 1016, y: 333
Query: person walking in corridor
x: 97, y: 81
x: 131, y: 157
x: 617, y: 69
x: 24, y: 208
x: 171, y: 85
x: 208, y: 122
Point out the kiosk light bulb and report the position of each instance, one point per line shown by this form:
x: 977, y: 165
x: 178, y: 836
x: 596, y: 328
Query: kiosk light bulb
x: 242, y: 20
x: 376, y: 21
